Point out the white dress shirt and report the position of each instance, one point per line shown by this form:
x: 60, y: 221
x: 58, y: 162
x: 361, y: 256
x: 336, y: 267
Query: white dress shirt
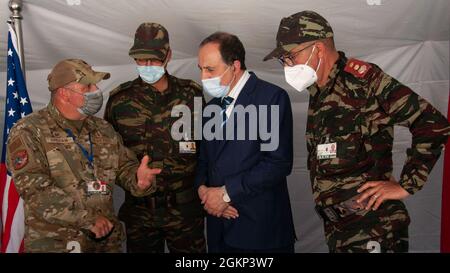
x: 236, y: 91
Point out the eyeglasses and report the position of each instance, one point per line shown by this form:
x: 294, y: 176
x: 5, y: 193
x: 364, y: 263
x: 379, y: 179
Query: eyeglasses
x: 289, y: 59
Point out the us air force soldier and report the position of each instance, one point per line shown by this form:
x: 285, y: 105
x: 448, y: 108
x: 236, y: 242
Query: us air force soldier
x: 65, y: 162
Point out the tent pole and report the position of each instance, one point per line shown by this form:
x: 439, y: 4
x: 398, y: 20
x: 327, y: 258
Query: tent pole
x: 15, y: 6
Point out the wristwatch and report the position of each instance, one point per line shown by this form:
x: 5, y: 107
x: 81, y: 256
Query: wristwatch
x: 225, y: 197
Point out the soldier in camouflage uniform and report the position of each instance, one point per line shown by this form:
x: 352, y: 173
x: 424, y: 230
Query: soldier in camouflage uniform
x: 140, y: 110
x: 64, y: 163
x: 353, y: 108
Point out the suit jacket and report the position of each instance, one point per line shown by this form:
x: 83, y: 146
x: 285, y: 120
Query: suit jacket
x: 255, y: 180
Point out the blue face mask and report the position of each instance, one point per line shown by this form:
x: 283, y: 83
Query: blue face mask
x: 213, y: 87
x: 151, y: 73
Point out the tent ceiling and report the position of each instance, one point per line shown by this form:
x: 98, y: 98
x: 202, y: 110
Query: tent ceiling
x: 102, y: 30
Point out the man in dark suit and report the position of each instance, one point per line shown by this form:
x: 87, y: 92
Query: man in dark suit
x: 242, y: 180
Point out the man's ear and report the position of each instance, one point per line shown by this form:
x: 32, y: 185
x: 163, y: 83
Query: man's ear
x: 237, y: 65
x: 63, y: 93
x: 169, y: 57
x: 321, y: 49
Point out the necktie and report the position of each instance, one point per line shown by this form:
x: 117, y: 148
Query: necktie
x: 224, y: 103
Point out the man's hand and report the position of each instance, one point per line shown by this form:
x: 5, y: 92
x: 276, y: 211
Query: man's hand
x: 212, y: 199
x: 145, y: 175
x: 230, y: 212
x: 380, y: 191
x: 101, y: 227
x: 202, y: 191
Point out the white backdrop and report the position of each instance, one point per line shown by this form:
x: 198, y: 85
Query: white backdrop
x: 409, y: 39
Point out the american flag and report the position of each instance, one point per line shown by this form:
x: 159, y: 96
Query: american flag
x: 16, y: 107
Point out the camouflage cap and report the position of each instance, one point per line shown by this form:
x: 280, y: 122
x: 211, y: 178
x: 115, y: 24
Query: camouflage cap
x: 73, y: 70
x: 151, y: 41
x: 299, y: 28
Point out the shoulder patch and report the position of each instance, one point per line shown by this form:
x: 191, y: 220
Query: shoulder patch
x: 357, y: 68
x: 121, y: 87
x: 20, y: 159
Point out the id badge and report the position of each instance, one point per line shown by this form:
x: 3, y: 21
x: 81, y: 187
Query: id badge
x: 326, y: 151
x: 96, y: 187
x: 187, y: 147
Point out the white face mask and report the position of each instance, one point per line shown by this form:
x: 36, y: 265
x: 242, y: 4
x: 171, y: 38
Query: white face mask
x: 151, y: 73
x: 301, y: 76
x: 213, y: 87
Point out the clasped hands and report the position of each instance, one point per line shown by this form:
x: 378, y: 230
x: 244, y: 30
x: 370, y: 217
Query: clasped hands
x: 213, y: 203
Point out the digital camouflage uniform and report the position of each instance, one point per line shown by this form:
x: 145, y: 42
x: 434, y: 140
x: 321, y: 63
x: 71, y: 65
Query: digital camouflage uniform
x: 142, y: 115
x: 51, y: 175
x: 53, y: 180
x: 357, y: 109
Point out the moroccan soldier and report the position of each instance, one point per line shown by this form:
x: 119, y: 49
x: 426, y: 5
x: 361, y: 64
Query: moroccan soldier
x: 140, y: 110
x: 64, y: 163
x: 353, y: 107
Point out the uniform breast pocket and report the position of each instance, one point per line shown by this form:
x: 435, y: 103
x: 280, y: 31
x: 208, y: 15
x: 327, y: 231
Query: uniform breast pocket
x: 187, y: 159
x: 106, y: 160
x: 132, y: 130
x: 350, y: 155
x: 60, y: 170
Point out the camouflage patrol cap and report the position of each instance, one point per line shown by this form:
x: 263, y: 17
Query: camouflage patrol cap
x: 151, y: 41
x: 299, y: 28
x: 73, y: 70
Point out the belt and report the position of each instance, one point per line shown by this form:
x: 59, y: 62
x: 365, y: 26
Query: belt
x: 167, y: 199
x: 342, y: 213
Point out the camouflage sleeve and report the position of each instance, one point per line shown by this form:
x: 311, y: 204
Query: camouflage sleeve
x: 201, y: 172
x: 429, y: 128
x: 26, y: 160
x: 128, y: 165
x: 108, y: 112
x: 110, y: 104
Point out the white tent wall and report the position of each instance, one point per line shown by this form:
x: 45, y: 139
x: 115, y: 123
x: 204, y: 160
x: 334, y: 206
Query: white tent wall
x: 409, y: 39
